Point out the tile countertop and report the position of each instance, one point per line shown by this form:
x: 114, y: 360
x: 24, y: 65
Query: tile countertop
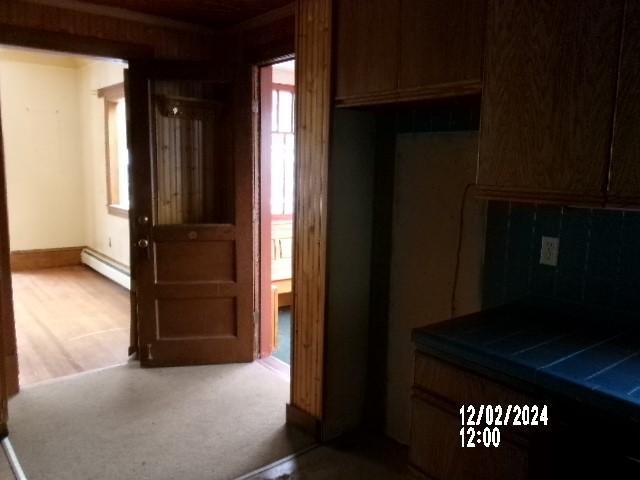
x: 591, y: 357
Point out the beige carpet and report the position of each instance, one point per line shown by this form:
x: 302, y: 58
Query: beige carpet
x: 188, y: 423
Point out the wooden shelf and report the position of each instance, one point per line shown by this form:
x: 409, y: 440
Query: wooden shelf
x: 431, y: 92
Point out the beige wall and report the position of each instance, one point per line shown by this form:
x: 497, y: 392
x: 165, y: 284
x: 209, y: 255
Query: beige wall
x: 106, y: 233
x: 40, y: 120
x: 53, y: 125
x: 432, y: 171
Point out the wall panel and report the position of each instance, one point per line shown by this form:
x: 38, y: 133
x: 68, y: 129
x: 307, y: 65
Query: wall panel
x: 23, y: 22
x: 313, y: 78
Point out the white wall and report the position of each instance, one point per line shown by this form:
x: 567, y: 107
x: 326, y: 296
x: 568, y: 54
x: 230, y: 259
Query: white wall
x: 40, y: 121
x: 105, y: 233
x: 432, y: 171
x: 53, y: 125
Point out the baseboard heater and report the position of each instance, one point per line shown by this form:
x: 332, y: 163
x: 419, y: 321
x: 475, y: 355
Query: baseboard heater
x: 107, y: 267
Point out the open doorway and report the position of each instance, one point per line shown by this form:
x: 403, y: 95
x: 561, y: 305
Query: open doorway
x: 66, y: 160
x: 193, y: 299
x: 277, y: 159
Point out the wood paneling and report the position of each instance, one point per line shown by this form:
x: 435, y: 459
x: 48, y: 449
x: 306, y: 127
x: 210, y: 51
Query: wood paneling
x: 441, y: 42
x: 44, y: 26
x: 47, y: 258
x: 313, y: 81
x: 212, y: 13
x: 624, y: 187
x: 367, y: 47
x: 549, y: 87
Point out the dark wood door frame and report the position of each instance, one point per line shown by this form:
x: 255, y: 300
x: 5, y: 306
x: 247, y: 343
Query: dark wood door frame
x: 7, y: 326
x: 63, y: 43
x: 264, y: 260
x: 306, y: 401
x: 262, y: 197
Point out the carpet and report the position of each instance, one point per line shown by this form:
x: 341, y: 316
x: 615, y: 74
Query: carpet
x: 189, y: 423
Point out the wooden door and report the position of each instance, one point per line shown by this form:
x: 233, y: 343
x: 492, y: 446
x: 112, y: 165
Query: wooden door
x: 624, y: 186
x: 548, y: 100
x: 192, y: 228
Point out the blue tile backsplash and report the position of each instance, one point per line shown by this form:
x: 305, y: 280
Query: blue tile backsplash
x: 598, y: 263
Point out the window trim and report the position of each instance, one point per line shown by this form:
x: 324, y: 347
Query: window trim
x: 111, y: 95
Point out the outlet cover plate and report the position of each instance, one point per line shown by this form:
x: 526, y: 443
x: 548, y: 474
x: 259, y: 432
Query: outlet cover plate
x: 549, y: 249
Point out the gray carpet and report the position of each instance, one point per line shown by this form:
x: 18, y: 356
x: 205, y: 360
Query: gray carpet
x: 188, y: 423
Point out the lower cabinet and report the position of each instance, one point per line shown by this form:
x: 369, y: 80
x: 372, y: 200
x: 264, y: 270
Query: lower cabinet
x: 578, y: 442
x: 436, y: 444
x: 436, y: 448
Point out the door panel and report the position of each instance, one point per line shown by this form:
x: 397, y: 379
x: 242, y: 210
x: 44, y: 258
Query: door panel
x: 193, y: 264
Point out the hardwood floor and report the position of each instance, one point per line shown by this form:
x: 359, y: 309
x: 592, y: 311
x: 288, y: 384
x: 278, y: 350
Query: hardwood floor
x: 68, y: 320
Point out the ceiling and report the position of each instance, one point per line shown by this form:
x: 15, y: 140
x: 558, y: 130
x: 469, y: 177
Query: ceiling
x: 211, y: 13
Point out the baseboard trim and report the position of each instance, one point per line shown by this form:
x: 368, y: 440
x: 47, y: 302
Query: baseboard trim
x: 45, y: 258
x: 303, y: 420
x: 106, y: 266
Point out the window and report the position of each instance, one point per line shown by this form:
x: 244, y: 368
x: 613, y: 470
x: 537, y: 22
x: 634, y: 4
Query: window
x: 282, y: 149
x: 116, y: 149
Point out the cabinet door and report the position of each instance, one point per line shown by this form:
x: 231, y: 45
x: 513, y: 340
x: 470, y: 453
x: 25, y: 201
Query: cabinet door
x: 549, y: 86
x: 625, y: 164
x: 367, y: 44
x: 441, y: 42
x: 436, y: 449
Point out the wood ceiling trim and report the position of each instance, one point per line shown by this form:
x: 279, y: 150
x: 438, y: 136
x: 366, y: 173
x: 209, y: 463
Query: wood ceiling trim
x: 285, y: 11
x: 124, y: 14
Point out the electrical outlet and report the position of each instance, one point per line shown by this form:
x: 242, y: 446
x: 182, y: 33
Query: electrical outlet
x: 549, y: 251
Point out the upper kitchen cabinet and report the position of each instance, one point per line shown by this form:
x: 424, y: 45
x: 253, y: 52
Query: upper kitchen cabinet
x: 624, y: 187
x: 366, y: 56
x: 441, y: 45
x: 405, y: 50
x: 548, y: 101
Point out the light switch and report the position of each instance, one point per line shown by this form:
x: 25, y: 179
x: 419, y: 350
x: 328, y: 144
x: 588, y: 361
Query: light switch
x: 549, y: 251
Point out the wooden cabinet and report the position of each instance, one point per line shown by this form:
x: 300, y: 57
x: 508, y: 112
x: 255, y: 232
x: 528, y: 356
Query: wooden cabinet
x: 624, y: 187
x: 402, y: 50
x: 441, y: 43
x: 568, y: 446
x: 435, y: 447
x: 548, y: 100
x: 366, y: 57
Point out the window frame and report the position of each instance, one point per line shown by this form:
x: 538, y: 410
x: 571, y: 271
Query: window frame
x: 111, y: 96
x: 285, y: 87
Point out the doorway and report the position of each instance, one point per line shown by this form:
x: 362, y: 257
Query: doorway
x: 277, y: 161
x: 192, y: 268
x: 66, y: 161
